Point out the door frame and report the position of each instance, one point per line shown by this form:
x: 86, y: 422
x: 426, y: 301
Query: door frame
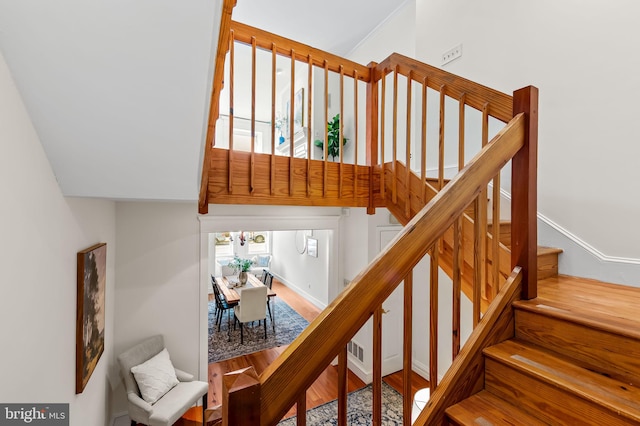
x: 211, y: 223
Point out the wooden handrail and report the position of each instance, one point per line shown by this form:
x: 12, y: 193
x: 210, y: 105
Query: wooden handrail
x: 244, y: 33
x: 475, y: 95
x: 299, y: 365
x: 214, y: 110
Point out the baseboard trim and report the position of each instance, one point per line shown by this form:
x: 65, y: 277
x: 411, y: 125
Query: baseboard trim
x: 421, y: 369
x: 586, y: 246
x: 577, y: 240
x: 580, y: 258
x: 317, y: 303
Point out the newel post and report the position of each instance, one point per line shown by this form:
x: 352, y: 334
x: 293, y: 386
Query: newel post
x: 372, y: 132
x: 241, y: 398
x: 524, y: 188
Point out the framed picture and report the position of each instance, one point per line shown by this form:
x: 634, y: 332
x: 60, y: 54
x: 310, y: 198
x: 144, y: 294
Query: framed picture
x: 312, y: 247
x: 298, y: 108
x: 90, y: 315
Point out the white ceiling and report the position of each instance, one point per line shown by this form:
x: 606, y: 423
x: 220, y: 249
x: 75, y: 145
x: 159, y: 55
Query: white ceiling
x: 118, y: 90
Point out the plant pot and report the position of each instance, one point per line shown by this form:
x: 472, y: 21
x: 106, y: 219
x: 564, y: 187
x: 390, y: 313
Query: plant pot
x: 242, y: 277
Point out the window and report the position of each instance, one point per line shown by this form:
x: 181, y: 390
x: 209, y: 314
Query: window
x: 259, y: 242
x: 224, y: 247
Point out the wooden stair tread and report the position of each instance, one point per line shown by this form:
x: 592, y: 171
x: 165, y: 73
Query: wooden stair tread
x: 542, y: 250
x: 484, y: 408
x: 603, y: 306
x: 559, y: 373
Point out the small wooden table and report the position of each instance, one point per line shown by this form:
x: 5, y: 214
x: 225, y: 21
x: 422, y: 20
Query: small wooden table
x: 233, y: 294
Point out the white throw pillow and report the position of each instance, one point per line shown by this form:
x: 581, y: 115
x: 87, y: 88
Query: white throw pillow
x: 155, y: 377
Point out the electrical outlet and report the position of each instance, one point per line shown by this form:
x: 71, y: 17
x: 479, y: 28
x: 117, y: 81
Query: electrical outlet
x: 451, y: 54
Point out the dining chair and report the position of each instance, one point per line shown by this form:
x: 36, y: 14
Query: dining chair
x: 251, y: 308
x: 268, y: 282
x: 264, y: 276
x: 221, y: 304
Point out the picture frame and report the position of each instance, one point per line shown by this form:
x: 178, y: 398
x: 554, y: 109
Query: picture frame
x: 90, y: 313
x: 312, y: 247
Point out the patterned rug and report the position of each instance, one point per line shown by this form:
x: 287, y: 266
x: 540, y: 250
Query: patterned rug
x: 359, y: 405
x: 288, y: 325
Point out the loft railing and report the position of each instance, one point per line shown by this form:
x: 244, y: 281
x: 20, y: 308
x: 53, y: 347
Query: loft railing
x: 280, y: 101
x: 380, y: 171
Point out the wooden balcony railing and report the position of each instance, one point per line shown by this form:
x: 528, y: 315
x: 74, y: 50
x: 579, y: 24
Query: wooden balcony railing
x: 394, y: 164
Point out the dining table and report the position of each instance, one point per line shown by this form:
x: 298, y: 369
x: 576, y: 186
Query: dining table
x: 231, y: 289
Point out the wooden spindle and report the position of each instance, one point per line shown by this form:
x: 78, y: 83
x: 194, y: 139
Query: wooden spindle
x: 423, y: 153
x: 480, y: 257
x: 407, y: 362
x: 341, y: 132
x: 456, y: 287
x: 372, y: 135
x: 355, y: 136
x: 325, y: 145
x: 343, y: 387
x: 309, y: 115
x: 433, y: 317
x: 407, y: 209
x: 301, y: 410
x: 231, y: 79
x: 461, y: 122
x: 458, y: 240
x: 252, y: 163
x: 273, y: 118
x: 441, y: 139
x: 394, y: 138
x: 484, y: 208
x: 495, y: 217
x: 291, y: 120
x: 377, y: 366
x: 383, y: 120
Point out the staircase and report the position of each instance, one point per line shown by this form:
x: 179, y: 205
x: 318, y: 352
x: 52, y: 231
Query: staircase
x: 574, y: 359
x: 567, y: 355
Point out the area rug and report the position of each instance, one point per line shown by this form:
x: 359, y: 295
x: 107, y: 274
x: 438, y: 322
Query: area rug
x: 288, y: 325
x: 359, y: 406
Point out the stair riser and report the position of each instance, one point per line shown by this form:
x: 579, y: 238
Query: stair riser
x: 547, y: 265
x: 543, y: 400
x: 604, y: 352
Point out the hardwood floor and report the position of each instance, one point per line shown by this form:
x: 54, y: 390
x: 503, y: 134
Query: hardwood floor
x: 323, y: 390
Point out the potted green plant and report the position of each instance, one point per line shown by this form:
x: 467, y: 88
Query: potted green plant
x: 242, y: 266
x: 333, y: 135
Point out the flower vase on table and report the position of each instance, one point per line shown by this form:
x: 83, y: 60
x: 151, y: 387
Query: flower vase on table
x: 242, y: 277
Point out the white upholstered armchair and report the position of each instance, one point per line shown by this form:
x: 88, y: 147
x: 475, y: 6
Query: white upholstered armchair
x: 158, y: 394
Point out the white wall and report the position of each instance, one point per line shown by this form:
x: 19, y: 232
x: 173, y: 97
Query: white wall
x: 305, y: 274
x: 41, y: 233
x: 158, y: 281
x: 583, y: 57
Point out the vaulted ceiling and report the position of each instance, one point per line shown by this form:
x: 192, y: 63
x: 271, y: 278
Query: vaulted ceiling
x: 118, y: 90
